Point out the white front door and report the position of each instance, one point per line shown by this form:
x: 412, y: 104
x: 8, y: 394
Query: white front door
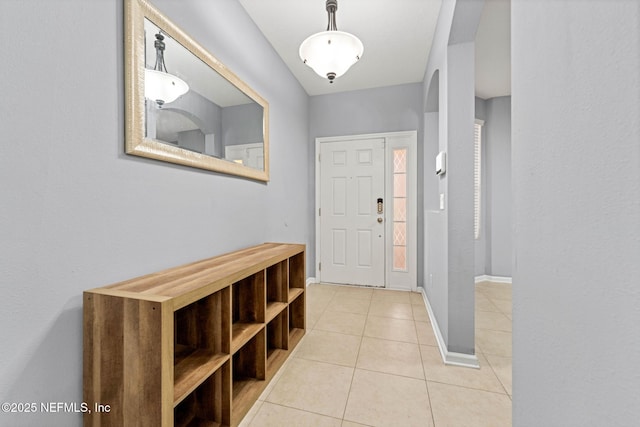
x: 354, y: 243
x: 352, y: 191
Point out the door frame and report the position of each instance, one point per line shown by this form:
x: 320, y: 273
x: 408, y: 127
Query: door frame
x: 405, y: 139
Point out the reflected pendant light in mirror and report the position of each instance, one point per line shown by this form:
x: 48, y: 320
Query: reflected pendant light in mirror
x: 331, y: 53
x: 159, y: 85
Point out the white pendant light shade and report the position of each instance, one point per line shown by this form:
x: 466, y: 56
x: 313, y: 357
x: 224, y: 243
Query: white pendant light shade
x: 163, y: 87
x: 331, y: 53
x: 159, y: 85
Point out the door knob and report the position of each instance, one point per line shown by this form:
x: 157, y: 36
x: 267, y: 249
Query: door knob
x: 380, y: 219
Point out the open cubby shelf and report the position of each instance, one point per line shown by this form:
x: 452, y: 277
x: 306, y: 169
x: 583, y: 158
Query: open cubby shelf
x: 192, y: 370
x: 205, y: 405
x: 243, y: 332
x: 297, y: 318
x: 273, y: 309
x: 294, y: 293
x: 277, y: 341
x: 193, y: 345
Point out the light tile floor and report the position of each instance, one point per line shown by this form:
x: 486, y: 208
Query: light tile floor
x: 370, y: 358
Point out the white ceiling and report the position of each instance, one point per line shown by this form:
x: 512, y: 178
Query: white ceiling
x: 397, y: 37
x: 396, y: 34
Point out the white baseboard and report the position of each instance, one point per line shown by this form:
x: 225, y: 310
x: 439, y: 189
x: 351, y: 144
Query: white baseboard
x: 494, y: 279
x: 311, y: 280
x: 448, y: 357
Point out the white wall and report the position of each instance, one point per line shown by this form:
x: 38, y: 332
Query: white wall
x: 576, y: 186
x: 77, y: 213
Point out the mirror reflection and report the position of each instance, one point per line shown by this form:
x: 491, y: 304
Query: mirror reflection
x: 209, y: 115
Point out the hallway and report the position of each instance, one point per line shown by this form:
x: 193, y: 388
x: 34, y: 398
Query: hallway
x: 370, y: 358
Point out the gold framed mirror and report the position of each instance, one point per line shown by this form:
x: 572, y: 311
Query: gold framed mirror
x: 184, y: 106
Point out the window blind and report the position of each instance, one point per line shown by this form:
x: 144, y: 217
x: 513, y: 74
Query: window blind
x: 477, y: 177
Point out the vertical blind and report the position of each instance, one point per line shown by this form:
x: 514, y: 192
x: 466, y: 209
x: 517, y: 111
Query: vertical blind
x: 477, y: 177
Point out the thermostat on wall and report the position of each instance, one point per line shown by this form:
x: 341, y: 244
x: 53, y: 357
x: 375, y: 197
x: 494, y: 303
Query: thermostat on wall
x: 441, y: 163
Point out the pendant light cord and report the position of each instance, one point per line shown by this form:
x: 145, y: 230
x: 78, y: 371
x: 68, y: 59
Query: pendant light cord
x: 159, y: 45
x: 332, y: 6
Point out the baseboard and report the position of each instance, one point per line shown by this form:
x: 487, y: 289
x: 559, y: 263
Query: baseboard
x: 494, y: 279
x: 311, y: 280
x: 461, y: 359
x: 448, y: 357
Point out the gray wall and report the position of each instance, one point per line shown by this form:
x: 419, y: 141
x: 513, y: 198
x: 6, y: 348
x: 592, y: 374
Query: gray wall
x: 198, y: 109
x: 497, y: 219
x: 242, y: 124
x: 493, y: 251
x: 576, y: 186
x: 450, y: 253
x: 191, y: 140
x: 480, y: 243
x: 386, y: 109
x: 78, y: 213
x: 203, y: 113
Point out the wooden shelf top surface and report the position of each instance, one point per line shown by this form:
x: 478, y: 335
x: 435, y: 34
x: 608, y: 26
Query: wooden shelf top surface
x: 212, y: 273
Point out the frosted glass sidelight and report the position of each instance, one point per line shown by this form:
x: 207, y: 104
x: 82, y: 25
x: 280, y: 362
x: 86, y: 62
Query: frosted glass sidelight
x: 400, y: 209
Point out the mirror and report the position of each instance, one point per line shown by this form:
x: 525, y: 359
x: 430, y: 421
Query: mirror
x: 214, y: 121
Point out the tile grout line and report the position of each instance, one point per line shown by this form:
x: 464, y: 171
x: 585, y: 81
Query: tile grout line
x: 426, y: 383
x: 369, y: 315
x: 392, y: 373
x: 344, y: 412
x: 471, y: 388
x: 433, y: 418
x: 301, y: 410
x: 496, y: 374
x: 424, y: 372
x: 390, y: 339
x: 323, y: 310
x: 490, y: 354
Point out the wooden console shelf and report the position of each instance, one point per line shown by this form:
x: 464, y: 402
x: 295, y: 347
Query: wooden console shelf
x: 193, y: 345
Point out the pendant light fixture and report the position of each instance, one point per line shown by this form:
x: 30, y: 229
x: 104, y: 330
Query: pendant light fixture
x: 159, y: 85
x: 331, y: 53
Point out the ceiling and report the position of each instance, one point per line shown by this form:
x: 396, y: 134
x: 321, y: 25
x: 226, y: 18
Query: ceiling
x: 397, y: 36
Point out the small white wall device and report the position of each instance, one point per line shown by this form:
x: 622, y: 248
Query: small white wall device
x: 441, y: 163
